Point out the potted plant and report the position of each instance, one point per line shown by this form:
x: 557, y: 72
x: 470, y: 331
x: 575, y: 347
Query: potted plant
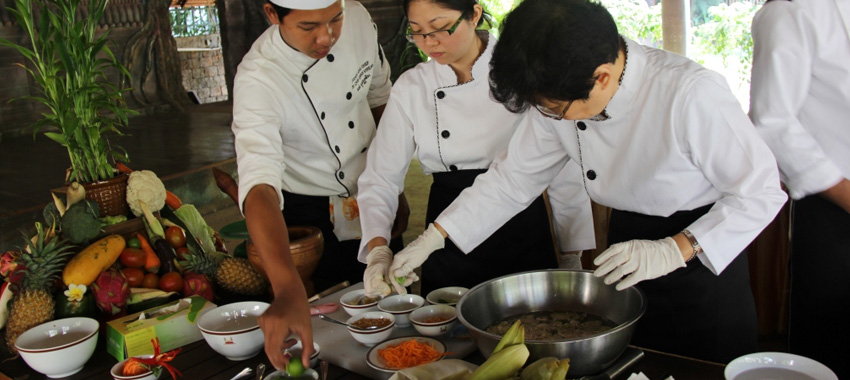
x: 69, y: 62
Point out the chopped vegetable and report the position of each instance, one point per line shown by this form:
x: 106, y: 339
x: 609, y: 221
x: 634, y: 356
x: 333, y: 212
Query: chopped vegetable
x: 409, y: 353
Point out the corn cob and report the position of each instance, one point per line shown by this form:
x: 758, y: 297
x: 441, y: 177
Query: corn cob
x: 549, y: 368
x: 514, y: 335
x: 503, y: 364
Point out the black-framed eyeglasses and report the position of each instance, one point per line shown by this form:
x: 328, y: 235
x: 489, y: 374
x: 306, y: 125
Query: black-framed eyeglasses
x: 545, y: 111
x: 436, y: 35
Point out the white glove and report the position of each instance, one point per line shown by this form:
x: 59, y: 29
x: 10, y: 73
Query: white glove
x: 377, y: 271
x: 570, y: 260
x: 413, y: 256
x: 640, y: 259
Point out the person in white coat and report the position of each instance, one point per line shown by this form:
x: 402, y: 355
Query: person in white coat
x: 661, y: 140
x: 800, y: 104
x: 307, y: 97
x: 441, y: 111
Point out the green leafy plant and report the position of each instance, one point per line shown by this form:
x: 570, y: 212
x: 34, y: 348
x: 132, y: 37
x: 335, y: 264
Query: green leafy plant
x: 726, y: 35
x: 69, y: 63
x: 195, y: 21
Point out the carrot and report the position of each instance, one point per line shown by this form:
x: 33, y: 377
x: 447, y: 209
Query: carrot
x: 409, y: 353
x: 172, y: 201
x: 123, y: 168
x: 151, y: 259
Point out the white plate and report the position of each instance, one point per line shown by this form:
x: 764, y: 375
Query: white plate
x: 308, y: 374
x: 777, y: 366
x: 377, y: 362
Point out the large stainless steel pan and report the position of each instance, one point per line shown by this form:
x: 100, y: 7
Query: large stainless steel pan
x: 555, y: 290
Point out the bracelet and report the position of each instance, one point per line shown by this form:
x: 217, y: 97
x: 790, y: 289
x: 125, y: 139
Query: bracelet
x: 694, y: 244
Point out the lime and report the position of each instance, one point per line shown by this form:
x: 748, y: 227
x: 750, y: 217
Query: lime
x: 134, y: 242
x: 295, y: 367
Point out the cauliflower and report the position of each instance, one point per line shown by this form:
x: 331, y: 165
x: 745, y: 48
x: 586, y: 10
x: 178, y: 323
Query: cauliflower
x: 145, y: 186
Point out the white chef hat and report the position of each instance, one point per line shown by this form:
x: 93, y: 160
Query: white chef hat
x: 303, y: 4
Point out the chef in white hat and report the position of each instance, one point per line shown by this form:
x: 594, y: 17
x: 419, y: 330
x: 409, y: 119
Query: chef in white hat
x: 307, y: 97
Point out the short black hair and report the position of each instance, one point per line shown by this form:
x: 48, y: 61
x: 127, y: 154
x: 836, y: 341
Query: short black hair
x: 550, y: 49
x: 466, y: 7
x: 281, y: 11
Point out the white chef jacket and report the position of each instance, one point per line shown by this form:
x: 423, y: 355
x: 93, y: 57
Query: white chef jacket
x: 449, y: 126
x: 677, y: 140
x: 303, y: 125
x: 800, y: 90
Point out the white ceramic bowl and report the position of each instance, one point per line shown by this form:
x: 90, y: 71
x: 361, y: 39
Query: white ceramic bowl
x: 421, y: 316
x: 372, y: 337
x: 118, y: 369
x: 400, y: 306
x: 233, y: 331
x: 59, y: 348
x: 446, y: 296
x: 349, y: 303
x: 776, y: 365
x: 295, y: 350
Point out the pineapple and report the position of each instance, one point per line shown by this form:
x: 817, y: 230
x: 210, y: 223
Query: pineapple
x: 201, y: 263
x: 43, y: 260
x: 238, y: 276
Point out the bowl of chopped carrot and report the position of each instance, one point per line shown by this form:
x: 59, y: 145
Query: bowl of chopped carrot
x: 379, y: 324
x: 434, y: 320
x: 405, y: 352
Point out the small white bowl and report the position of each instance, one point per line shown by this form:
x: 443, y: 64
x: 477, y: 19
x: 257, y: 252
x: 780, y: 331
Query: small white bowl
x: 372, y: 337
x: 118, y: 369
x: 295, y: 350
x: 400, y: 306
x: 349, y: 303
x: 419, y: 318
x: 233, y: 331
x: 446, y: 296
x: 59, y: 348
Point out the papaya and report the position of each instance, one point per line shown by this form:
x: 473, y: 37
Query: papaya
x: 84, y: 268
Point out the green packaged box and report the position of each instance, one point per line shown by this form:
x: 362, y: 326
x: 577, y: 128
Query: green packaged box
x: 173, y: 323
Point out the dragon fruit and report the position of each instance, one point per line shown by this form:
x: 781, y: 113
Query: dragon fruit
x: 111, y: 291
x: 11, y: 268
x: 197, y: 284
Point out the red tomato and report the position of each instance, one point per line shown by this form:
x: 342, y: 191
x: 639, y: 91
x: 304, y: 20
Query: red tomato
x: 132, y: 258
x: 171, y: 282
x: 135, y: 276
x: 151, y: 281
x: 181, y: 251
x: 175, y: 236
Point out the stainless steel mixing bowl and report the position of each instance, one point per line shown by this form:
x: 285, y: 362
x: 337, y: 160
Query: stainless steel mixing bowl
x: 555, y: 290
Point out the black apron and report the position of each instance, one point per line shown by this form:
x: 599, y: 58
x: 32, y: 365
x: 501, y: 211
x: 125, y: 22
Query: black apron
x: 820, y: 288
x: 523, y: 243
x: 691, y: 311
x: 339, y: 259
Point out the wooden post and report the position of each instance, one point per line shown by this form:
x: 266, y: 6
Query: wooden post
x: 675, y: 25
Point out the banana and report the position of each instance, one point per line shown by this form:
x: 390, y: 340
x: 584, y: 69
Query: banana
x: 142, y: 294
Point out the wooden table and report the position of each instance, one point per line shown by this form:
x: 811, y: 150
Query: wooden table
x: 198, y: 361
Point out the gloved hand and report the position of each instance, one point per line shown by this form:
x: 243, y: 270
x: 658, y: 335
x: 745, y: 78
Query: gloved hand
x: 377, y: 271
x: 413, y: 256
x: 640, y: 260
x: 569, y: 260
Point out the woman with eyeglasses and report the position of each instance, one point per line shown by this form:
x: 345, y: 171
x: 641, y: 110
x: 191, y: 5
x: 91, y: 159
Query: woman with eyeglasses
x: 661, y: 140
x: 441, y: 111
